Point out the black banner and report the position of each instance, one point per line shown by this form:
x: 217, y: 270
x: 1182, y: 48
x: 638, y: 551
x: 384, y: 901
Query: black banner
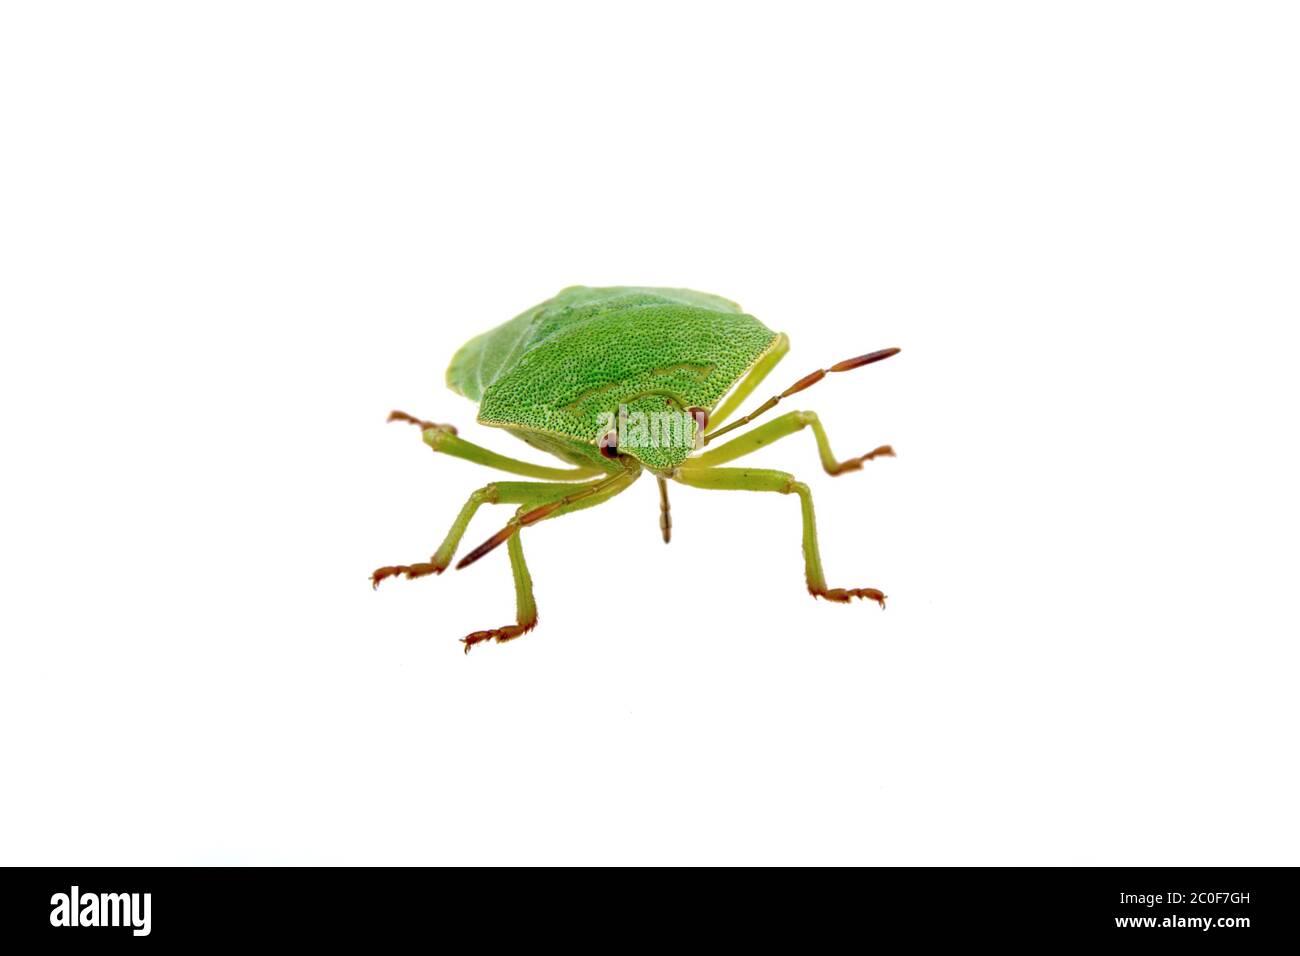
x: 1223, y: 907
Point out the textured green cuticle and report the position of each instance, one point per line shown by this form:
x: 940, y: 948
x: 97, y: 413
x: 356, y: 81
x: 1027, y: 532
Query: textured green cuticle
x: 558, y: 367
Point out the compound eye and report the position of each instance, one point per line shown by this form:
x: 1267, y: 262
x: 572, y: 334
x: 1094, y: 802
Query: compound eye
x: 608, y: 444
x: 701, y: 416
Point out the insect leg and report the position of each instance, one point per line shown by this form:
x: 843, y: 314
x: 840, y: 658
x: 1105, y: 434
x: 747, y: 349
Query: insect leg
x: 756, y: 479
x: 500, y: 492
x: 806, y: 382
x: 778, y: 428
x: 525, y: 606
x: 584, y: 496
x: 443, y: 438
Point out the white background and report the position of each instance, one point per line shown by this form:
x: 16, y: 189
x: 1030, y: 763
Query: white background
x: 236, y: 235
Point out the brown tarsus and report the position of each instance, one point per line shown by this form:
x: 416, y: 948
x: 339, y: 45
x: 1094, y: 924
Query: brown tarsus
x: 396, y: 416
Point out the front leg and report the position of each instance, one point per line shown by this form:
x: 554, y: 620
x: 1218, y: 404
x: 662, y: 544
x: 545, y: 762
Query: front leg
x: 444, y: 439
x: 757, y: 479
x: 779, y: 428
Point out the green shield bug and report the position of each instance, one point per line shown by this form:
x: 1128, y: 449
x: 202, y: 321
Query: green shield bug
x: 615, y: 381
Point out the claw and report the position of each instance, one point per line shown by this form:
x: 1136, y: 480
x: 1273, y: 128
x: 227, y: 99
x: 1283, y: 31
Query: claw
x: 845, y: 595
x: 411, y: 571
x: 396, y: 416
x: 855, y: 464
x: 498, y: 634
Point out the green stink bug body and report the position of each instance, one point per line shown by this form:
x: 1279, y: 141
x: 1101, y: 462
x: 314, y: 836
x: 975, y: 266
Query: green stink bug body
x: 614, y: 381
x: 558, y: 368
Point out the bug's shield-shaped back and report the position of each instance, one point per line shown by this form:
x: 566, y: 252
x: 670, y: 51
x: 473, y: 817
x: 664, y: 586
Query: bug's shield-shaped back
x: 565, y: 370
